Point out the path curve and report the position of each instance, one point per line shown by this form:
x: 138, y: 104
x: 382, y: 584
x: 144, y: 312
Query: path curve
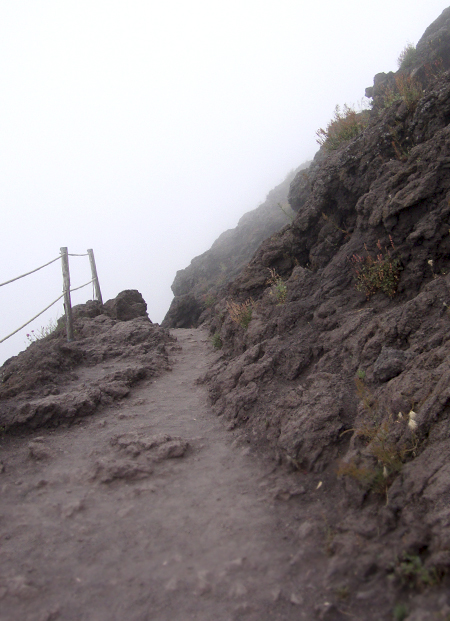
x: 151, y: 511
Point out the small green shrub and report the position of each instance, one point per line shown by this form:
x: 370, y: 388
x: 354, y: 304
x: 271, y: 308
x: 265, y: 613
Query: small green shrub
x: 217, y: 341
x: 411, y: 572
x: 400, y: 612
x: 381, y: 273
x: 278, y: 286
x: 407, y: 57
x: 209, y: 300
x: 345, y: 125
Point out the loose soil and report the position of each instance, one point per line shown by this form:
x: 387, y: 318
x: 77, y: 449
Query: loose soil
x: 151, y: 510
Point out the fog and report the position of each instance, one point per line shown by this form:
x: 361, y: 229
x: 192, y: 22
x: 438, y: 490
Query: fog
x: 144, y: 129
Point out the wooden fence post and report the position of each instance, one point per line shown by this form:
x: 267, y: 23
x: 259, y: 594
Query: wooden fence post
x: 66, y: 291
x: 98, y: 293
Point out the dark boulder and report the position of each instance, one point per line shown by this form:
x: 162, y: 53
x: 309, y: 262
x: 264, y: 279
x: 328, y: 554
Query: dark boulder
x: 184, y: 312
x: 129, y: 304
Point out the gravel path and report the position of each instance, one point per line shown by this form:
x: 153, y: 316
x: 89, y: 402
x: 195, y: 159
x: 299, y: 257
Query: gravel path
x: 150, y: 510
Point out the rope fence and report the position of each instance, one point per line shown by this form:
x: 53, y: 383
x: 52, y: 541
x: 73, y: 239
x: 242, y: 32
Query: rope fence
x: 32, y: 319
x: 64, y: 257
x: 32, y: 272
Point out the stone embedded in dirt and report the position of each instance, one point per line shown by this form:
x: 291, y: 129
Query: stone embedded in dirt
x: 296, y: 599
x: 171, y: 450
x: 37, y: 450
x: 70, y: 509
x: 108, y: 470
x: 329, y: 612
x: 390, y: 363
x: 288, y: 493
x: 204, y: 585
x: 160, y: 446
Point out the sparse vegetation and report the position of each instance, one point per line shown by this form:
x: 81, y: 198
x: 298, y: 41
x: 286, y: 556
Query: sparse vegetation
x: 434, y: 69
x: 400, y: 612
x: 381, y: 273
x: 407, y: 56
x: 241, y: 313
x: 288, y: 212
x: 383, y: 457
x: 411, y: 572
x: 345, y: 125
x: 406, y: 88
x: 217, y: 341
x: 209, y: 300
x: 43, y: 332
x: 278, y: 286
x: 342, y: 593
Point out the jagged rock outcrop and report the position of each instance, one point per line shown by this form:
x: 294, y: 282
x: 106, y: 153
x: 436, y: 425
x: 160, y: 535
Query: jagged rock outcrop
x: 196, y: 288
x: 432, y: 57
x: 355, y: 384
x: 54, y: 382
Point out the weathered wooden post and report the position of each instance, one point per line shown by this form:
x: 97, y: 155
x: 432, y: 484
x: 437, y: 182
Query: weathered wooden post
x: 66, y: 291
x: 98, y: 293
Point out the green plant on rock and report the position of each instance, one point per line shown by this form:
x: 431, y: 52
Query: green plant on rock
x: 217, y: 341
x: 411, y: 572
x: 407, y: 56
x: 361, y: 374
x: 278, y: 286
x: 345, y: 125
x: 380, y: 273
x: 209, y: 300
x: 406, y: 88
x: 241, y: 314
x: 400, y: 612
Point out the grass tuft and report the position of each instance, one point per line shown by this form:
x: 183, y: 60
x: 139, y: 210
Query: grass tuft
x: 380, y: 273
x: 241, y: 314
x: 345, y: 125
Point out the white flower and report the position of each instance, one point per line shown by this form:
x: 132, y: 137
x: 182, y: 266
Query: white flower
x: 412, y: 415
x: 400, y: 416
x: 412, y: 424
x: 430, y: 262
x: 385, y: 472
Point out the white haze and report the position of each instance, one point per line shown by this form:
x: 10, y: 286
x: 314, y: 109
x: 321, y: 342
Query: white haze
x: 144, y: 129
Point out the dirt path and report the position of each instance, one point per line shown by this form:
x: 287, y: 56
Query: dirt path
x: 150, y: 510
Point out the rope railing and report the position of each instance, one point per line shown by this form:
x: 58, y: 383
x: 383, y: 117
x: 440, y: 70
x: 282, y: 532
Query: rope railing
x: 32, y: 319
x: 81, y: 286
x: 64, y: 256
x: 28, y: 273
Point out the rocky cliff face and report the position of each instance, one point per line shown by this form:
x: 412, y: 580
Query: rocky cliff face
x: 197, y: 287
x: 338, y: 363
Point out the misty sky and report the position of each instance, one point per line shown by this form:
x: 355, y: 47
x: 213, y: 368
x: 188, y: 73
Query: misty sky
x: 144, y: 129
